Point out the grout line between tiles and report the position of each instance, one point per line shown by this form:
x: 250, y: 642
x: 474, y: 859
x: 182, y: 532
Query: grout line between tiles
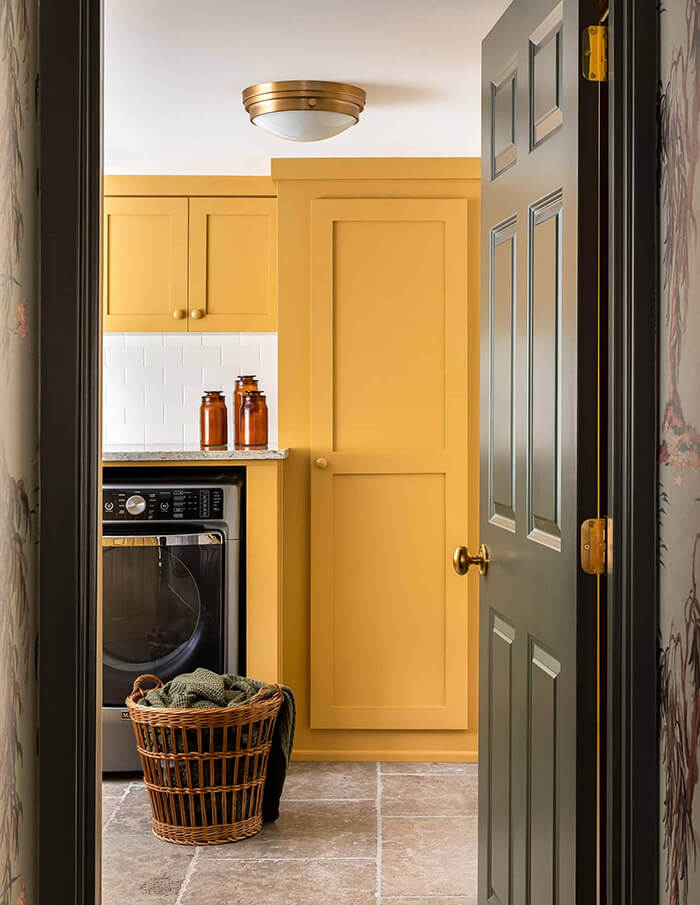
x: 430, y: 775
x: 281, y: 860
x: 120, y: 802
x: 430, y: 816
x: 327, y: 799
x: 379, y: 834
x: 191, y: 868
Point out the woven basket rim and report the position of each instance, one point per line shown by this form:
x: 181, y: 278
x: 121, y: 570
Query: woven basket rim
x: 273, y: 699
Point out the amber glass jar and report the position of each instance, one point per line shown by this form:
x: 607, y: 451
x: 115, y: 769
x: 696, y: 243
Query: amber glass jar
x: 252, y: 426
x: 213, y: 420
x: 243, y: 383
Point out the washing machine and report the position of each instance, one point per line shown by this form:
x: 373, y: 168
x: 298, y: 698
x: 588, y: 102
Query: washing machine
x: 171, y: 557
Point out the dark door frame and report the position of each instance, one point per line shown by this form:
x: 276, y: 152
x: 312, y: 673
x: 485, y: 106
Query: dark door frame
x: 70, y: 187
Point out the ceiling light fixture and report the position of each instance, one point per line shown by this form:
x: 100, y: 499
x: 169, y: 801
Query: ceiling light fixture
x: 304, y: 110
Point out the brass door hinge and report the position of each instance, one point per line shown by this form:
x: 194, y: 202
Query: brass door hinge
x: 595, y: 53
x: 593, y: 546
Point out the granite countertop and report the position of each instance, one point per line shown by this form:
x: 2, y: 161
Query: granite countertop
x: 173, y: 452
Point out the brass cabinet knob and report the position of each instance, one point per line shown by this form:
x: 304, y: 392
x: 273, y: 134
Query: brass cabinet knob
x: 196, y: 313
x: 179, y: 313
x: 321, y: 463
x: 462, y: 560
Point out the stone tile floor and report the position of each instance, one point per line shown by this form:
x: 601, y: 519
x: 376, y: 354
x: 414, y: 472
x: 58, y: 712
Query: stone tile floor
x: 348, y: 833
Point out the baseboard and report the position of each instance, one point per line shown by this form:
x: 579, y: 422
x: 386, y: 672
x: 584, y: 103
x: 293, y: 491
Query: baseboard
x: 450, y: 757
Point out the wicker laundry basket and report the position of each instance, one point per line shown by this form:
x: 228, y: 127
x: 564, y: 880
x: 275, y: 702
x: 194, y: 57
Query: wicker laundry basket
x: 205, y: 769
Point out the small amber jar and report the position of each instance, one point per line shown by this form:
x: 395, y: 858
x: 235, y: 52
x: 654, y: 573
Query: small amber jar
x: 213, y: 420
x: 252, y: 427
x: 243, y: 383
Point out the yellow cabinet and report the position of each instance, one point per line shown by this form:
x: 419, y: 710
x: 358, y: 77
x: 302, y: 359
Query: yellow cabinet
x: 145, y: 264
x: 178, y: 259
x: 388, y: 425
x: 232, y: 264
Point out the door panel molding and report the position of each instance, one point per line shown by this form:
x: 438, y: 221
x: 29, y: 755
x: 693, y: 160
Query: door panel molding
x: 502, y: 369
x: 544, y: 370
x: 546, y: 39
x: 542, y: 783
x: 500, y: 772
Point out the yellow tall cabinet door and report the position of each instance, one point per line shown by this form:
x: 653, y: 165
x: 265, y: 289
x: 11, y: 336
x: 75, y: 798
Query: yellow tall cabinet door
x: 233, y: 264
x: 388, y: 476
x: 145, y: 264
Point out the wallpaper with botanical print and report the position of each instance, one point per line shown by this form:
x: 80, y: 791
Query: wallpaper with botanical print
x: 679, y: 451
x: 18, y: 450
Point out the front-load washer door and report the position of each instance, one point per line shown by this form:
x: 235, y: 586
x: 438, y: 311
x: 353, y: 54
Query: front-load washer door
x: 162, y: 606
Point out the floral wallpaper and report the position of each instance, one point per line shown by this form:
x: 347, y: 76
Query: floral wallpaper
x: 18, y: 450
x: 679, y: 451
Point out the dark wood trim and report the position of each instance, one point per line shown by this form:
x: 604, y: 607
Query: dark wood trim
x: 70, y: 186
x: 632, y: 719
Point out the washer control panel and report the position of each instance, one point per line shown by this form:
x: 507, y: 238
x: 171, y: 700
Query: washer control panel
x: 147, y: 504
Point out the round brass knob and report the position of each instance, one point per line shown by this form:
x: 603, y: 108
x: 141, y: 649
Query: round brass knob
x: 321, y: 463
x: 179, y: 313
x: 196, y: 313
x: 462, y: 560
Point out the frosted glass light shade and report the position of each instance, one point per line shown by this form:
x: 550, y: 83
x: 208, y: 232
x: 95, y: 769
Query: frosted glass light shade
x: 304, y: 125
x: 304, y: 110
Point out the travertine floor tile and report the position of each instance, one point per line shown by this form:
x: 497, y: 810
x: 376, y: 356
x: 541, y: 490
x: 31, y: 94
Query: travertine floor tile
x: 317, y: 882
x: 310, y: 829
x: 133, y: 815
x: 433, y: 900
x: 142, y: 870
x: 428, y: 856
x: 396, y: 767
x: 439, y: 795
x: 341, y: 780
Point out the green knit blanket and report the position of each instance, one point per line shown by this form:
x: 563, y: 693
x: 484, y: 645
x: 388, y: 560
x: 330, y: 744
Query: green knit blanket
x: 204, y: 688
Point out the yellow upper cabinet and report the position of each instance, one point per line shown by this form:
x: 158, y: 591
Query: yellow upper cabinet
x: 233, y: 266
x: 145, y: 264
x: 190, y: 253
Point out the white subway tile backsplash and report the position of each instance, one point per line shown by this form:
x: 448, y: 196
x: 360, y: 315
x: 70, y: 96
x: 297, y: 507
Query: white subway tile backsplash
x: 153, y: 382
x: 221, y: 339
x: 217, y: 378
x: 123, y: 357
x: 167, y: 393
x: 186, y: 340
x: 114, y: 340
x: 164, y: 433
x: 205, y: 356
x: 160, y: 357
x: 145, y: 414
x: 244, y: 359
x: 141, y: 340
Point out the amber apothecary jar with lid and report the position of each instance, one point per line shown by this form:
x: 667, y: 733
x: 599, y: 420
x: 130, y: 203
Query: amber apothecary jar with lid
x: 252, y: 421
x: 244, y: 383
x: 213, y: 420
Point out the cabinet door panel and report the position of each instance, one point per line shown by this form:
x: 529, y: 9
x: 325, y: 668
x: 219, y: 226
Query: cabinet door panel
x: 233, y: 264
x: 389, y: 416
x: 145, y: 264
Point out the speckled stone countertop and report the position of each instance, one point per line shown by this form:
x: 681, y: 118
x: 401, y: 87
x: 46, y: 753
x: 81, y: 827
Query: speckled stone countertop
x: 170, y: 452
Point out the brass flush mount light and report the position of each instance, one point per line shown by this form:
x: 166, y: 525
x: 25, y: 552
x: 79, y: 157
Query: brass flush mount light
x: 304, y: 110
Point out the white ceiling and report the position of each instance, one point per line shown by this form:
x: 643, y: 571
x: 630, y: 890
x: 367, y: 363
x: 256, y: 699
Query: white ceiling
x: 174, y: 71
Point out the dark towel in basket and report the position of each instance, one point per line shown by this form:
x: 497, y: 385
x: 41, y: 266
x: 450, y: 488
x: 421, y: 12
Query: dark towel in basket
x: 204, y: 688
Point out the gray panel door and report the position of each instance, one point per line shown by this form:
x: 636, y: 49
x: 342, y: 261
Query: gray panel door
x: 537, y: 612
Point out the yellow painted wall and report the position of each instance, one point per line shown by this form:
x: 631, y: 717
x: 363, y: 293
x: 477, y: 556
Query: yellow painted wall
x: 299, y: 184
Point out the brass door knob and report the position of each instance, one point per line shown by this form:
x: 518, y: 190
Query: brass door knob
x: 462, y: 560
x: 179, y: 313
x: 321, y: 463
x: 196, y: 313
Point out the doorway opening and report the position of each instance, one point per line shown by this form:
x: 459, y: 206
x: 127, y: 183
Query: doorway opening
x: 359, y: 264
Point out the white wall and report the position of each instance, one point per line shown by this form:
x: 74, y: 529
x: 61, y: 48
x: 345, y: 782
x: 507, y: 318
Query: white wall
x: 153, y: 382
